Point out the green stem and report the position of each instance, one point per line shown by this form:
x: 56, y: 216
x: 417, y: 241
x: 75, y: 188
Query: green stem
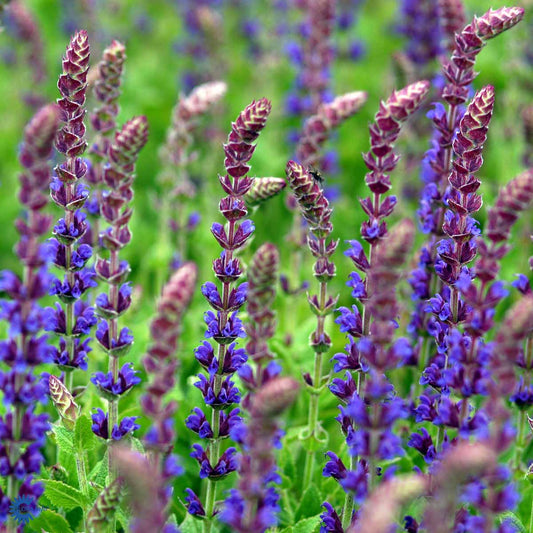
x: 214, y: 445
x: 213, y: 453
x: 347, y: 510
x: 82, y: 472
x: 531, y: 518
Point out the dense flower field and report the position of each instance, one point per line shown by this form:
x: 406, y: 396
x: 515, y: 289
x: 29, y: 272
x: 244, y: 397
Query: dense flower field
x: 266, y: 266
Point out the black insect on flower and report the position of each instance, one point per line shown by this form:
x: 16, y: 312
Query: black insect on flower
x: 316, y: 175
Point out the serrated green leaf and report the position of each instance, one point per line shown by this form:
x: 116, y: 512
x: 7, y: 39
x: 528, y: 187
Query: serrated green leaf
x: 137, y: 445
x: 99, y: 473
x: 307, y: 525
x: 510, y: 516
x: 62, y: 495
x: 64, y: 439
x: 310, y: 503
x: 191, y: 525
x: 49, y: 521
x: 84, y: 438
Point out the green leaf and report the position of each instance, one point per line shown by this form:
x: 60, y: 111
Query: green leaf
x: 84, y: 438
x: 307, y: 525
x: 310, y: 504
x: 99, y: 473
x: 508, y: 515
x: 524, y: 507
x: 137, y: 445
x: 64, y: 439
x: 191, y: 525
x: 62, y: 495
x: 123, y: 518
x: 286, y: 462
x: 49, y: 521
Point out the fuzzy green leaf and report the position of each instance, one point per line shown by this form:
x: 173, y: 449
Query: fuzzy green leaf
x: 62, y: 495
x: 84, y: 438
x: 191, y: 525
x: 307, y: 525
x: 511, y: 517
x: 49, y: 520
x: 137, y: 445
x: 310, y: 504
x: 99, y: 473
x: 64, y: 439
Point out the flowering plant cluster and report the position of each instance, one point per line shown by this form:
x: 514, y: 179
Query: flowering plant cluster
x: 394, y: 397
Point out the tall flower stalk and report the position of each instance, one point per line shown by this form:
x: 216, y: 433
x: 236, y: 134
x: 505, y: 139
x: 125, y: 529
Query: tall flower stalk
x: 223, y: 325
x: 161, y: 364
x: 115, y: 341
x: 454, y: 255
x: 369, y: 409
x: 74, y: 319
x: 177, y: 154
x: 309, y: 152
x: 459, y: 74
x: 315, y: 209
x: 23, y: 431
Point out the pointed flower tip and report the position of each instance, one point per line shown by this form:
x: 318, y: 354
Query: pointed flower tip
x: 263, y: 189
x: 178, y: 292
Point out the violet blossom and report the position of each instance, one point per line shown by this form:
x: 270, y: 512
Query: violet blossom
x: 118, y: 176
x: 224, y: 326
x: 26, y: 347
x: 69, y: 193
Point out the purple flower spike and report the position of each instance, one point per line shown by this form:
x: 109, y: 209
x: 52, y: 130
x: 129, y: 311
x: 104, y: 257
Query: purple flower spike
x: 67, y: 190
x: 223, y: 324
x: 24, y: 346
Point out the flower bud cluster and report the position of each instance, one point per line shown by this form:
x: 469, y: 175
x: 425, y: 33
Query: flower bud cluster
x: 106, y: 91
x: 318, y: 128
x: 459, y: 74
x: 223, y: 324
x: 261, y: 323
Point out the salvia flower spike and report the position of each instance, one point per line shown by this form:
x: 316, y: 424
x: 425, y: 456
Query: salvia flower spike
x: 176, y: 155
x: 161, y: 365
x: 459, y: 73
x: 118, y: 178
x: 370, y: 404
x: 377, y: 356
x: 25, y: 346
x: 224, y: 326
x: 315, y: 209
x: 317, y: 128
x: 74, y: 319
